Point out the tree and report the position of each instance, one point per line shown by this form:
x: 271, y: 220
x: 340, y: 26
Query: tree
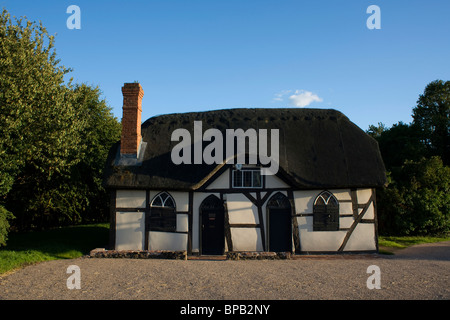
x: 100, y: 132
x: 416, y: 157
x: 376, y: 131
x: 417, y: 201
x: 74, y: 195
x: 399, y: 143
x: 432, y: 117
x: 5, y: 215
x: 38, y: 122
x: 54, y: 133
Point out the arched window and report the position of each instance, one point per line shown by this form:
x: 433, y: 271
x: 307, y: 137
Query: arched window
x: 163, y: 199
x: 326, y: 212
x: 162, y: 213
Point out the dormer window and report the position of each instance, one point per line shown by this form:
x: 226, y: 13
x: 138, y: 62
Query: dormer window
x: 246, y: 178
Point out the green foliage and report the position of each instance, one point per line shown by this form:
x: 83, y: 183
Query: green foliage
x: 416, y: 155
x: 100, y: 132
x: 5, y: 215
x: 417, y: 201
x: 398, y: 143
x: 432, y: 117
x: 376, y: 131
x: 55, y: 135
x: 62, y: 243
x: 31, y: 97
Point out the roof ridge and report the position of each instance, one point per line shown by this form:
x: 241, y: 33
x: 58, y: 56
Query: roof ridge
x: 306, y: 111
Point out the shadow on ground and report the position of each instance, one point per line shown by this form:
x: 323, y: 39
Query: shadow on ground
x: 60, y: 243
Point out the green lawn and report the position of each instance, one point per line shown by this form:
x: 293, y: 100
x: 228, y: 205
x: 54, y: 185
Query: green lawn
x: 62, y: 243
x: 390, y: 244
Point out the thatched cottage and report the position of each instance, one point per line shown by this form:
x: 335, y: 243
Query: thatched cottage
x: 321, y: 199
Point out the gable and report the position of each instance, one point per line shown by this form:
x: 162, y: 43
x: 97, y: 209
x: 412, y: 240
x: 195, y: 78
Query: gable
x: 220, y: 182
x: 273, y: 182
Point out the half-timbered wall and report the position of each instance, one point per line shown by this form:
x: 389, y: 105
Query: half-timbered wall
x: 356, y: 222
x: 246, y: 218
x: 130, y: 219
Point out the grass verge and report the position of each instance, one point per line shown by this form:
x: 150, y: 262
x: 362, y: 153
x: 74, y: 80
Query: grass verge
x: 63, y: 243
x: 388, y: 245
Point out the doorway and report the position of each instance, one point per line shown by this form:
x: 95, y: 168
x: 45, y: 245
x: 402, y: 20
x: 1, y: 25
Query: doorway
x: 279, y: 223
x: 212, y: 214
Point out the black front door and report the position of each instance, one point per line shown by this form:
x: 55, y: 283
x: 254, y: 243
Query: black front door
x: 280, y: 233
x: 213, y: 239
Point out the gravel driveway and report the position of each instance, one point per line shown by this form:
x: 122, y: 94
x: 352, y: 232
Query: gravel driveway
x: 419, y: 272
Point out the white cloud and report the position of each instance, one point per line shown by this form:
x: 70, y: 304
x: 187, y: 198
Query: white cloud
x: 302, y: 98
x: 280, y: 96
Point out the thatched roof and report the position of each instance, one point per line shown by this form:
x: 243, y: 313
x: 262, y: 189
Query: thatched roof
x: 318, y: 149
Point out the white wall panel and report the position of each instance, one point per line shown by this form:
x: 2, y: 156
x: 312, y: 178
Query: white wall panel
x: 182, y: 222
x: 304, y: 200
x: 274, y: 182
x: 130, y: 199
x: 181, y: 200
x: 221, y: 182
x: 130, y: 228
x: 241, y: 209
x: 341, y: 194
x: 362, y: 238
x: 246, y: 239
x: 363, y: 195
x: 167, y: 241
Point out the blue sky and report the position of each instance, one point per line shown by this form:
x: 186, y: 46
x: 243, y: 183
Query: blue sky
x: 196, y: 55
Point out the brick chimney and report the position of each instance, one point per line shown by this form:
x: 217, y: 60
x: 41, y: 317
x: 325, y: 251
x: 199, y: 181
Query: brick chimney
x: 131, y: 119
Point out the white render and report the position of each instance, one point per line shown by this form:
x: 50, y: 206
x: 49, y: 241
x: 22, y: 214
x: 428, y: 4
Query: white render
x: 182, y: 223
x: 167, y: 241
x: 222, y: 182
x: 362, y: 238
x: 130, y: 230
x: 275, y: 182
x: 246, y: 239
x: 240, y: 209
x: 130, y: 199
x: 244, y: 219
x: 304, y: 200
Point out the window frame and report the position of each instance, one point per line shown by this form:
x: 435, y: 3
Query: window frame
x: 326, y: 216
x: 162, y: 217
x: 252, y: 178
